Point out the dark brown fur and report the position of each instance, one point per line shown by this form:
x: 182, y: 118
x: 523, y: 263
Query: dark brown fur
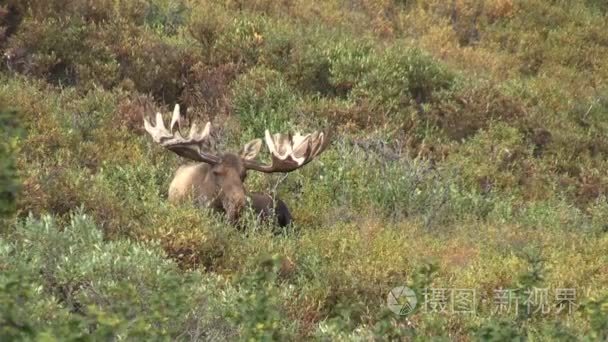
x: 266, y: 208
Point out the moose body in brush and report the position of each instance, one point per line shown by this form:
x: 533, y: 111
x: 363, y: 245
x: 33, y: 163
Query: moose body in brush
x: 217, y: 181
x: 222, y: 189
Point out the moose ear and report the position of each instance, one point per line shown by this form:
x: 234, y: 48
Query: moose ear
x: 251, y: 149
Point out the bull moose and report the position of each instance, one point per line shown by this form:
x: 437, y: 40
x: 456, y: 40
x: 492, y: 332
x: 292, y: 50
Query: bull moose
x: 216, y: 181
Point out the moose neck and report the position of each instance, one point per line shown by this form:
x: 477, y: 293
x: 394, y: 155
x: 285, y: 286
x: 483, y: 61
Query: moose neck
x: 227, y: 177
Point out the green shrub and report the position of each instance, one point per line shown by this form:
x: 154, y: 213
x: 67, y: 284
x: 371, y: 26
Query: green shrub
x: 105, y: 45
x: 80, y: 286
x: 600, y: 5
x: 596, y: 310
x: 493, y: 158
x: 404, y: 77
x: 51, y: 48
x: 257, y: 311
x: 250, y: 40
x: 349, y: 62
x: 154, y: 65
x: 392, y: 185
x: 310, y: 69
x: 166, y: 16
x: 263, y: 100
x: 207, y: 23
x: 500, y: 331
x: 9, y: 182
x: 469, y: 106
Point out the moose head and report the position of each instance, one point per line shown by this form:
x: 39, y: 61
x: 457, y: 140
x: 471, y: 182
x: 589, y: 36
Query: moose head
x: 217, y: 180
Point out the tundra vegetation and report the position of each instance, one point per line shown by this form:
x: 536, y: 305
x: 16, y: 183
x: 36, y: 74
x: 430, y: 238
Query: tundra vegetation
x: 470, y: 152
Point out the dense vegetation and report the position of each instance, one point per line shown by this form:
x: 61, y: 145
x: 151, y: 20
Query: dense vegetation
x: 470, y: 152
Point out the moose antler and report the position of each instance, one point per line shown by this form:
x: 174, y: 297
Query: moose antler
x: 193, y: 147
x: 289, y: 152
